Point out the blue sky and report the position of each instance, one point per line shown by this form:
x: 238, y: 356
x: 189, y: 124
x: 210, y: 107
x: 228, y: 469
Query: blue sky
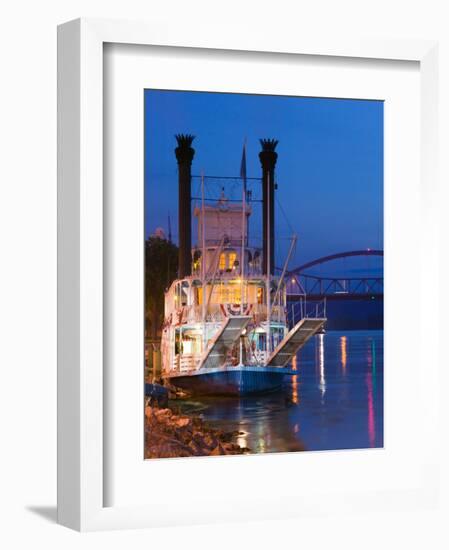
x: 329, y: 170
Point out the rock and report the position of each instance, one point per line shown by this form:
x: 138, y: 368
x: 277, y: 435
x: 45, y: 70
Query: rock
x: 196, y: 449
x: 227, y: 437
x: 210, y: 441
x: 162, y: 414
x: 218, y: 451
x: 181, y: 422
x: 173, y: 435
x: 197, y: 422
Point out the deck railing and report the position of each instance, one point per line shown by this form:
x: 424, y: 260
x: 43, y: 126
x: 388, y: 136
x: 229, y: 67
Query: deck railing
x: 216, y: 313
x: 186, y: 363
x: 191, y: 362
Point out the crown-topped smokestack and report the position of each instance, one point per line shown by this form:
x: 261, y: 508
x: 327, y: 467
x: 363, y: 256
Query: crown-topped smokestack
x: 268, y: 158
x: 184, y: 155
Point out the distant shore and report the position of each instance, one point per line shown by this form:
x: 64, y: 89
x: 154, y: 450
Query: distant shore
x: 170, y: 435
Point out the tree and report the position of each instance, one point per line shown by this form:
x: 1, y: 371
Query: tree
x: 161, y: 267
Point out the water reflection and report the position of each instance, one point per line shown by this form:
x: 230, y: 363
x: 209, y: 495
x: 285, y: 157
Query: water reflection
x: 371, y: 361
x: 294, y: 381
x: 371, y: 420
x: 325, y: 405
x: 242, y: 438
x: 321, y: 364
x: 343, y: 342
x: 295, y: 398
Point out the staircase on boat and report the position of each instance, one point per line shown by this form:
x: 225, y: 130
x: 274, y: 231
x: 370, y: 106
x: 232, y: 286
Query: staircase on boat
x: 227, y: 336
x: 295, y: 340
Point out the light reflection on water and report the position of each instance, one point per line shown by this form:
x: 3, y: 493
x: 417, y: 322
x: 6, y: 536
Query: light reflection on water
x: 343, y: 342
x: 320, y: 340
x: 334, y: 402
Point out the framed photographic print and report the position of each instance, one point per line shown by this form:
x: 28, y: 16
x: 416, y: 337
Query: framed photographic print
x: 235, y: 222
x: 241, y: 319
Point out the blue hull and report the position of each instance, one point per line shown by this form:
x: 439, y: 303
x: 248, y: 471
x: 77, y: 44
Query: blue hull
x: 233, y: 381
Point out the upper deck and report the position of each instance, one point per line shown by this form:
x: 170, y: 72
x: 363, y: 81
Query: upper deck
x: 226, y: 273
x: 191, y: 300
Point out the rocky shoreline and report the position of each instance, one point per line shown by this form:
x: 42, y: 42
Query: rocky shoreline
x: 170, y: 435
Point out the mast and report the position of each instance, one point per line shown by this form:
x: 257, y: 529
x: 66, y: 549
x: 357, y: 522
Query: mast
x: 242, y: 257
x: 268, y: 157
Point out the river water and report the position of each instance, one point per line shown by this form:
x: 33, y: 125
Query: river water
x: 334, y: 402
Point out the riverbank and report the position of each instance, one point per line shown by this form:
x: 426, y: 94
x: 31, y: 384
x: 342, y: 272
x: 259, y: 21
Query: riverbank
x: 170, y: 435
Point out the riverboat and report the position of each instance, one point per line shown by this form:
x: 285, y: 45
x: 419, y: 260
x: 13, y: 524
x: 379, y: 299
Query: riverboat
x: 226, y: 330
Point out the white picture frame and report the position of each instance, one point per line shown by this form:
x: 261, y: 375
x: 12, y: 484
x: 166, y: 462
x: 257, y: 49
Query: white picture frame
x: 81, y: 270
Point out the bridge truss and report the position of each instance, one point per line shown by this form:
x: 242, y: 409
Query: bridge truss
x: 302, y: 285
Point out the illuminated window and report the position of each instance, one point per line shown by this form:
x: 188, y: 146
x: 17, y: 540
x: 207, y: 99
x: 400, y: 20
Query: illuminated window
x: 231, y: 259
x: 196, y: 260
x: 234, y: 294
x: 222, y: 264
x: 191, y: 342
x: 226, y: 294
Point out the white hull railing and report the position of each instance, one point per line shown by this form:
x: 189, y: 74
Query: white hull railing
x: 186, y: 364
x: 256, y: 357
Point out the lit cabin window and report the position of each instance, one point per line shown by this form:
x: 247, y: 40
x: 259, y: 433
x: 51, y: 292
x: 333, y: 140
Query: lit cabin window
x: 222, y: 264
x: 197, y: 260
x: 231, y: 259
x: 226, y: 294
x: 235, y: 296
x: 191, y: 341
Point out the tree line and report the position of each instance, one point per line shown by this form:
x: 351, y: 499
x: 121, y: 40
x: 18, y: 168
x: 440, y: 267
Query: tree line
x: 161, y: 269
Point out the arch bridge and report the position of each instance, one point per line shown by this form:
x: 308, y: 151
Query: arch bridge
x: 301, y: 284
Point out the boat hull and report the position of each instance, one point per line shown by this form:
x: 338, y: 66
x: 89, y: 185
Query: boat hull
x: 237, y: 381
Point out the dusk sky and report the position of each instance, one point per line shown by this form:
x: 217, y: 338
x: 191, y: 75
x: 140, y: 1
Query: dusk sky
x: 329, y: 170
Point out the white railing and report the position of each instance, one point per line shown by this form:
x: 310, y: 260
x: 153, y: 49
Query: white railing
x: 215, y: 314
x: 191, y: 362
x: 256, y: 357
x: 193, y: 314
x: 303, y: 309
x: 186, y: 363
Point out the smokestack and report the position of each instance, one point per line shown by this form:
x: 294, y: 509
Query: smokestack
x: 184, y: 155
x: 268, y: 158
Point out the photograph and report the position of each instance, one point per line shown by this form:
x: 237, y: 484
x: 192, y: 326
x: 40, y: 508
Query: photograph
x: 263, y: 246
